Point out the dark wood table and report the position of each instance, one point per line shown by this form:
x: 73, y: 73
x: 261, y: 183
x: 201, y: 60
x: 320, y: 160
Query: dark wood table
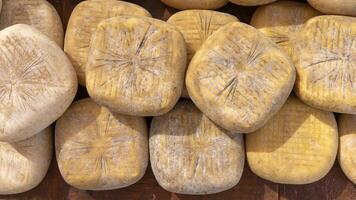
x: 334, y: 186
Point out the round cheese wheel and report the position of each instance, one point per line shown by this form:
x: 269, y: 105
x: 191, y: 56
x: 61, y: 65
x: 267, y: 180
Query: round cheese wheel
x: 37, y: 13
x: 196, y: 26
x: 325, y: 58
x: 189, y: 154
x: 83, y: 22
x: 195, y: 4
x: 251, y: 2
x: 282, y: 20
x: 239, y: 78
x: 99, y: 150
x: 338, y: 7
x: 297, y: 146
x: 37, y: 82
x: 136, y: 65
x: 347, y: 149
x: 24, y: 164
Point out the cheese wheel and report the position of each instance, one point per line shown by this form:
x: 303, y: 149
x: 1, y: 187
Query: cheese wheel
x: 325, y: 58
x: 195, y: 4
x: 99, y: 150
x: 347, y: 148
x: 338, y: 7
x: 191, y: 155
x: 297, y: 146
x: 196, y: 26
x: 38, y: 13
x: 251, y: 2
x: 37, y: 82
x: 136, y: 65
x: 282, y: 20
x: 239, y: 78
x: 24, y: 164
x: 83, y: 22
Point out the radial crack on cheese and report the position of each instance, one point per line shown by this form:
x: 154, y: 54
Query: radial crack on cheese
x: 136, y: 65
x: 325, y: 59
x: 195, y: 4
x: 282, y: 20
x: 99, y: 150
x: 347, y: 148
x: 337, y: 7
x: 239, y: 78
x: 191, y: 155
x: 24, y: 164
x: 83, y: 22
x: 38, y: 13
x: 297, y: 146
x: 37, y: 82
x: 251, y: 2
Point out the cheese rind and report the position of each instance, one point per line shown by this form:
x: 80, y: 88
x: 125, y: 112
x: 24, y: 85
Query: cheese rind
x: 251, y: 2
x: 337, y: 7
x: 195, y: 4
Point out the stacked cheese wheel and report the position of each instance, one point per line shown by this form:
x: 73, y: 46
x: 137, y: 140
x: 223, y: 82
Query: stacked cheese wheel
x: 235, y: 79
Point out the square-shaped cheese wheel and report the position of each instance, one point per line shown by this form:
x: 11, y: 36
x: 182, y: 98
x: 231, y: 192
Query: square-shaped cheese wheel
x: 325, y: 58
x: 282, y: 20
x: 251, y: 2
x: 189, y: 154
x: 99, y: 150
x: 82, y: 23
x: 239, y: 78
x: 347, y: 148
x: 297, y: 146
x: 136, y: 65
x: 37, y: 82
x: 24, y: 164
x: 337, y: 7
x: 195, y: 4
x: 37, y: 13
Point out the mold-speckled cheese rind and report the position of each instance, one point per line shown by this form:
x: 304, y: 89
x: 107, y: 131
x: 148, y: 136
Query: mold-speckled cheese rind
x: 239, y: 78
x: 191, y: 155
x: 99, y: 150
x: 251, y: 2
x: 325, y: 58
x: 136, y: 65
x: 82, y: 23
x: 347, y: 148
x: 24, y: 164
x: 297, y: 146
x: 282, y: 20
x: 37, y: 82
x: 195, y: 4
x: 38, y: 13
x: 337, y: 7
x: 196, y: 26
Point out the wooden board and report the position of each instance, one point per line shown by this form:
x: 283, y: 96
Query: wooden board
x: 334, y: 186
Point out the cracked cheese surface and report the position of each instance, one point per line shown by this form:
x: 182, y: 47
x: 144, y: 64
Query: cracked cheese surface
x: 195, y: 4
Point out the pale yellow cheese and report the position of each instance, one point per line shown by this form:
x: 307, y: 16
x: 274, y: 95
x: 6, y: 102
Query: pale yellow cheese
x: 337, y: 7
x: 251, y: 2
x: 195, y: 4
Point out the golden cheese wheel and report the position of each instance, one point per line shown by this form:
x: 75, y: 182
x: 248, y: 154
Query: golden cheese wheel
x: 189, y: 154
x: 37, y: 13
x: 325, y: 57
x: 282, y: 20
x: 24, y: 164
x: 239, y: 78
x: 338, y: 7
x: 347, y: 148
x: 37, y: 82
x: 99, y: 150
x: 251, y: 2
x: 195, y: 4
x: 136, y: 65
x: 297, y: 146
x: 196, y: 26
x: 83, y: 22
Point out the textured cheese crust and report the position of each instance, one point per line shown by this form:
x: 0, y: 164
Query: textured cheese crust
x: 191, y: 155
x: 251, y: 2
x: 239, y: 78
x: 38, y: 13
x: 325, y: 59
x: 195, y: 4
x: 83, y: 22
x: 99, y: 150
x: 337, y: 7
x: 37, y: 82
x: 297, y: 146
x: 136, y: 65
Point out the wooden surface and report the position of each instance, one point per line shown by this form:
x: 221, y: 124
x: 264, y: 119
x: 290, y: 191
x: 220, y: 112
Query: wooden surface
x: 334, y: 186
